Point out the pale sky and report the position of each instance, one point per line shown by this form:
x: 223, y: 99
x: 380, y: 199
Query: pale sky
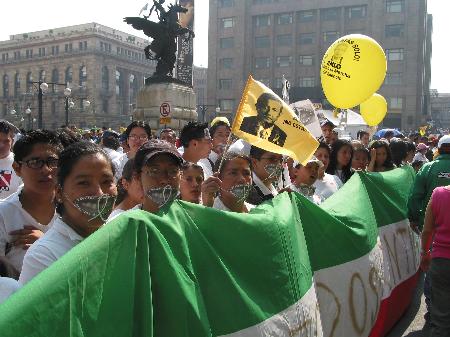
x: 24, y: 16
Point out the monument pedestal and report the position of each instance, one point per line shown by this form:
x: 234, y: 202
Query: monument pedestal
x: 179, y: 98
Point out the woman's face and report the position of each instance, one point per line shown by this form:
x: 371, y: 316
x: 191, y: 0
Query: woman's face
x: 236, y: 172
x: 92, y: 175
x: 190, y: 185
x: 344, y: 156
x: 360, y: 160
x: 137, y: 137
x: 220, y: 138
x: 324, y: 156
x: 381, y: 156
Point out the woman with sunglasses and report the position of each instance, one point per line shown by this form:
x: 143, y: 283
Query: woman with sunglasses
x: 22, y: 219
x: 85, y: 197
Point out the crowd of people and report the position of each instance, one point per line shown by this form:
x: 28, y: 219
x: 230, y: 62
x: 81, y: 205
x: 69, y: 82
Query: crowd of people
x: 58, y: 187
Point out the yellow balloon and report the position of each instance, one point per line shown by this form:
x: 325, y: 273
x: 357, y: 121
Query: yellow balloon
x: 374, y: 110
x: 352, y: 70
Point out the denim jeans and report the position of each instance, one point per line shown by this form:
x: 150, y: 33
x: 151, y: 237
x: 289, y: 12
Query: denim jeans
x: 440, y: 297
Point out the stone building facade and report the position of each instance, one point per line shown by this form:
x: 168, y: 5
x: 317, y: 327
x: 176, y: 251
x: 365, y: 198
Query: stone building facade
x: 440, y: 109
x: 100, y: 64
x: 200, y: 87
x: 269, y: 38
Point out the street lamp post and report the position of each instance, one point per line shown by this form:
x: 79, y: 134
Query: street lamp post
x: 67, y: 93
x: 28, y: 113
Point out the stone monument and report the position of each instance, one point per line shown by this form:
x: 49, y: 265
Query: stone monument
x: 164, y: 101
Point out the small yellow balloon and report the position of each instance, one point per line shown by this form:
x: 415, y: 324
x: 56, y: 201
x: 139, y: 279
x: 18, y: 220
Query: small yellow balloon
x: 374, y: 110
x: 352, y: 70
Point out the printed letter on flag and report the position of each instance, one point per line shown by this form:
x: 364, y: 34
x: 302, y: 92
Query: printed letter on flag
x: 264, y: 120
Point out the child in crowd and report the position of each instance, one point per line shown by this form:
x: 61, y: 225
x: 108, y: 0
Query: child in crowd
x: 326, y: 184
x: 360, y: 158
x: 380, y: 157
x: 191, y: 182
x: 10, y: 181
x: 26, y: 214
x: 341, y: 160
x: 129, y: 191
x: 421, y: 151
x: 85, y: 197
x: 236, y: 176
x: 305, y: 177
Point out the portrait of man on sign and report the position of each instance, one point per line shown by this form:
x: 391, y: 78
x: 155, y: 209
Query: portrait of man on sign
x: 269, y: 109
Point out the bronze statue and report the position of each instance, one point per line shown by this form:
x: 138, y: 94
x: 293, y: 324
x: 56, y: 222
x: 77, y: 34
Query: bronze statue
x: 164, y: 33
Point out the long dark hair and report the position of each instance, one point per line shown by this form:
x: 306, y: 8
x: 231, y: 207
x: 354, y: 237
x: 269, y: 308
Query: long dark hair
x: 127, y: 174
x: 332, y: 167
x: 388, y: 163
x: 399, y: 151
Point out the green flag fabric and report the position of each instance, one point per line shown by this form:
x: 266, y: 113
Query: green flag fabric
x: 289, y: 268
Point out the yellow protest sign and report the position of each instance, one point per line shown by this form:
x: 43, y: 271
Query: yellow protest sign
x: 264, y: 120
x: 353, y: 69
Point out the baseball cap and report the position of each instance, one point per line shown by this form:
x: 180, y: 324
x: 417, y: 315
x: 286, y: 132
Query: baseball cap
x: 156, y: 146
x: 326, y: 122
x: 445, y: 140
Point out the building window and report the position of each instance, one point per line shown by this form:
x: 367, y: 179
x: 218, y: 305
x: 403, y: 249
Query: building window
x: 330, y: 36
x: 5, y: 57
x: 55, y: 50
x: 227, y: 22
x: 262, y: 62
x: 69, y: 75
x: 226, y: 63
x: 307, y: 82
x: 82, y: 45
x: 119, y: 84
x: 262, y: 42
x: 83, y: 76
x: 261, y: 21
x: 16, y: 84
x: 307, y: 38
x: 41, y: 52
x: 5, y: 85
x: 42, y: 76
x: 329, y: 14
x: 68, y: 47
x: 395, y: 6
x: 105, y: 106
x: 284, y: 40
x: 226, y: 104
x: 279, y: 81
x: 394, y: 79
x: 29, y: 85
x: 265, y: 81
x: 105, y: 78
x: 285, y: 19
x: 55, y: 79
x: 395, y: 30
x: 29, y: 53
x: 133, y: 87
x: 225, y: 84
x: 17, y: 55
x: 356, y: 12
x: 394, y: 54
x: 306, y: 60
x: 307, y: 16
x: 226, y: 3
x: 396, y: 103
x: 227, y: 42
x: 284, y: 61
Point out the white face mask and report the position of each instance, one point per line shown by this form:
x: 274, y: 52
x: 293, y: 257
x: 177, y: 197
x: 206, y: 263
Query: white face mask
x: 274, y: 171
x: 241, y: 192
x: 162, y: 195
x: 95, y: 206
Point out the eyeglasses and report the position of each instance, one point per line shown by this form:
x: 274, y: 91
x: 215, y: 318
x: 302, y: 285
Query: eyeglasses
x: 159, y: 174
x: 35, y: 163
x: 134, y: 137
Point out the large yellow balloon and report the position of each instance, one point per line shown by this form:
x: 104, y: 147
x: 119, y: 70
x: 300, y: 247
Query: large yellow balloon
x: 374, y: 110
x: 352, y: 70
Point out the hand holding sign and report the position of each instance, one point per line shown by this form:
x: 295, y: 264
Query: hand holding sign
x: 352, y: 70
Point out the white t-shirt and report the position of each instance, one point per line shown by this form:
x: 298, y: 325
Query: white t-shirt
x: 116, y: 160
x: 218, y: 204
x: 8, y: 286
x: 315, y: 198
x: 14, y: 217
x: 121, y: 163
x: 262, y: 187
x: 327, y: 186
x: 9, y: 181
x: 208, y: 169
x: 55, y: 243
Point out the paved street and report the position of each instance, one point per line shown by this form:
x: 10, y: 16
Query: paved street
x: 412, y: 323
